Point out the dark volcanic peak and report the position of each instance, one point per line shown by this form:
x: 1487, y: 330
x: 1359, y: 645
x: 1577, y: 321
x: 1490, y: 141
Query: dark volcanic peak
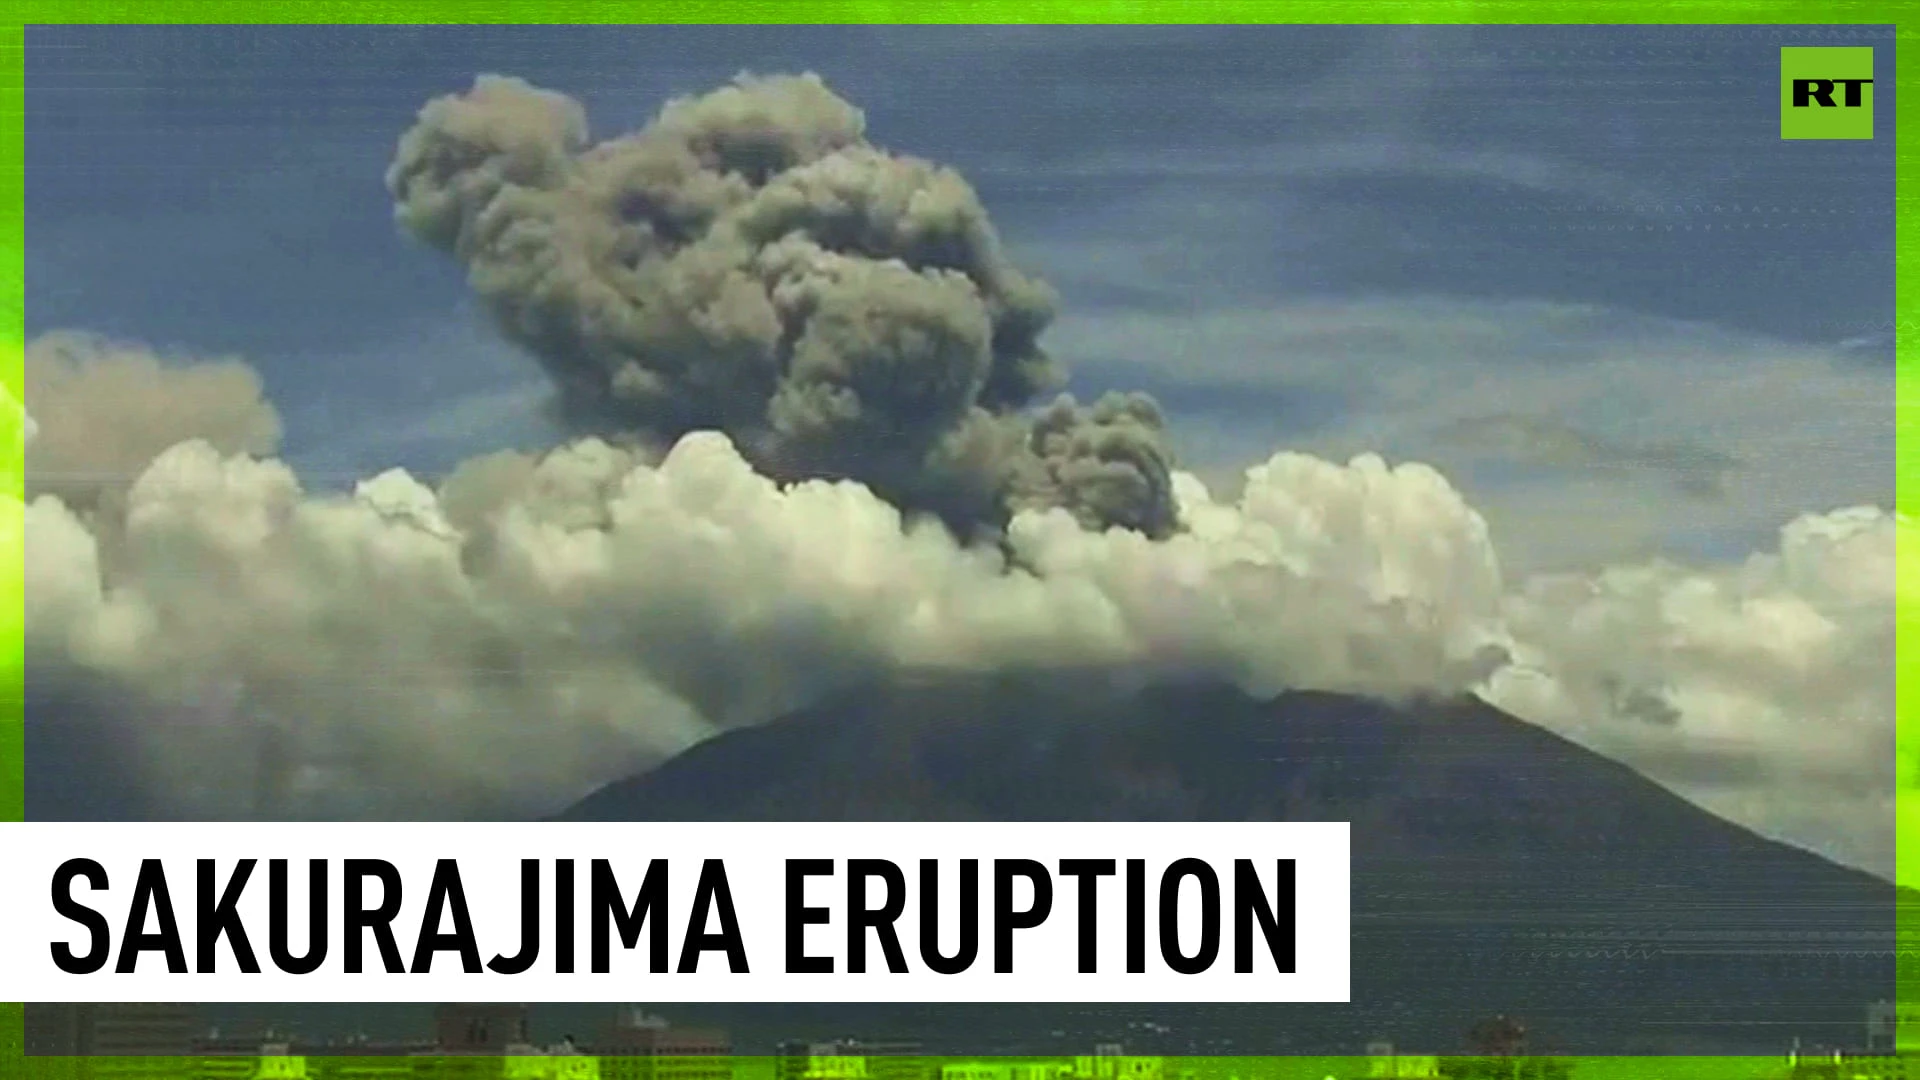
x: 1497, y: 866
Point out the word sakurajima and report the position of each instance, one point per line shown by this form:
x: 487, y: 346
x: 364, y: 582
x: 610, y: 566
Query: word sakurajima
x: 875, y: 892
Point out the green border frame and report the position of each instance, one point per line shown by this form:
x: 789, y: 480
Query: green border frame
x: 1790, y: 21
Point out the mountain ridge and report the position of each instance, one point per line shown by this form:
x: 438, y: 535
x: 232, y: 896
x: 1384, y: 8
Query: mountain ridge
x: 1498, y: 867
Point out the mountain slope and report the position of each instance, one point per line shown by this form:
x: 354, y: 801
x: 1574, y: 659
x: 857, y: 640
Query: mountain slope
x: 1497, y: 867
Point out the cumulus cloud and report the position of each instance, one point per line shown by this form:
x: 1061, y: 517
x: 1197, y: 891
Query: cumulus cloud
x: 536, y: 625
x: 546, y: 624
x: 749, y: 263
x: 335, y: 643
x: 1764, y: 690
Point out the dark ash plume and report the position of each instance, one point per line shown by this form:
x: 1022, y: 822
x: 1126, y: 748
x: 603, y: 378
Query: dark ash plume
x: 749, y: 263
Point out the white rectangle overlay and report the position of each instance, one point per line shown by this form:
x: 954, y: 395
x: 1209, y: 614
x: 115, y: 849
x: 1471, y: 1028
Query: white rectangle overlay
x: 1242, y: 912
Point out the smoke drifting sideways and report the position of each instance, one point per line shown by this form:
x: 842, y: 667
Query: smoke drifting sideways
x: 749, y: 263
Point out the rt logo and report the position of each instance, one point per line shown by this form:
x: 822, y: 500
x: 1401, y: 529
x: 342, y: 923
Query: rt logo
x: 1826, y: 93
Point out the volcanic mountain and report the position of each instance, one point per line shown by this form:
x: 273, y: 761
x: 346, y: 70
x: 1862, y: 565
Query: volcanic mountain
x: 1497, y: 868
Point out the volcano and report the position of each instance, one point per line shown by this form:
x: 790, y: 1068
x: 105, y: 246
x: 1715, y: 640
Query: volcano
x: 1497, y: 868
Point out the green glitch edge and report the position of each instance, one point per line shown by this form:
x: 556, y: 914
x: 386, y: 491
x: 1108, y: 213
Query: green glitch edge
x: 287, y: 1063
x: 1788, y: 21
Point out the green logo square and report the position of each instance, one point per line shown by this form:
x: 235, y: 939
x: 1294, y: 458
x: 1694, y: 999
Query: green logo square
x: 1826, y: 93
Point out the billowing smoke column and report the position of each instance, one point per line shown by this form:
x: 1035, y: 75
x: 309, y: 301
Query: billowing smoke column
x: 748, y: 263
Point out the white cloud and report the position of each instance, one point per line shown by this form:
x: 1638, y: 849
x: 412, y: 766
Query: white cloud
x: 1763, y: 690
x: 535, y: 627
x: 554, y: 623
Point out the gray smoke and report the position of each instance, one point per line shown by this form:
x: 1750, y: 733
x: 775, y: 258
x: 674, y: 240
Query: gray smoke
x: 749, y: 263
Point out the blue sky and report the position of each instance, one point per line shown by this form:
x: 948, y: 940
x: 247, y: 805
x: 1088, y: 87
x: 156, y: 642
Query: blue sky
x: 1330, y: 239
